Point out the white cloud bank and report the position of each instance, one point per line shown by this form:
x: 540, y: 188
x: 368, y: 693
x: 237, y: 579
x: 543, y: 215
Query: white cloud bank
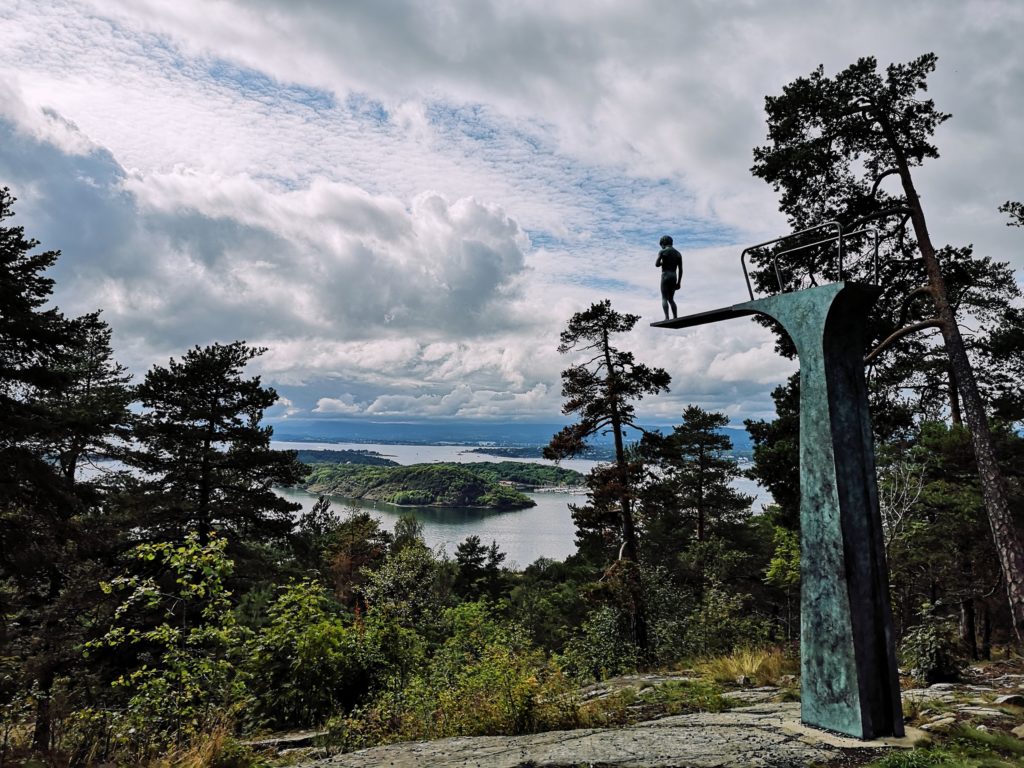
x: 404, y: 202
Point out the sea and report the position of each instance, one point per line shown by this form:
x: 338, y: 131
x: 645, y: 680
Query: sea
x: 524, y: 535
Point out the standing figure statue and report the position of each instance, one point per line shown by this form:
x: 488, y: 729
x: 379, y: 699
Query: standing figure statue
x: 671, y: 262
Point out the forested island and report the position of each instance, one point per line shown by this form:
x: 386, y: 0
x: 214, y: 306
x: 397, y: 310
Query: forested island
x: 478, y: 484
x: 345, y: 456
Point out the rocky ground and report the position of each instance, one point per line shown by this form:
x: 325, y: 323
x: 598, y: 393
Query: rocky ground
x: 759, y: 731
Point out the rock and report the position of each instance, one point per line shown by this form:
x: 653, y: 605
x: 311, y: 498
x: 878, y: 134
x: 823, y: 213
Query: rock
x: 1018, y: 731
x: 286, y: 740
x: 941, y: 687
x: 1013, y: 699
x: 789, y: 681
x: 942, y: 724
x: 982, y: 711
x: 742, y: 680
x: 761, y: 735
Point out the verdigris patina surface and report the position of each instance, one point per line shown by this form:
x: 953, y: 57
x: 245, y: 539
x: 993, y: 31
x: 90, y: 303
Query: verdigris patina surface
x: 849, y: 682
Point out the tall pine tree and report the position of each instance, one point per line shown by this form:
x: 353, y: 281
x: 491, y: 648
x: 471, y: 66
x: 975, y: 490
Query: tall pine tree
x: 833, y: 144
x: 601, y: 391
x: 204, y: 453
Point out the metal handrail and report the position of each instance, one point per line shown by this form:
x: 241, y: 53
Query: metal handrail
x: 838, y: 237
x: 775, y: 265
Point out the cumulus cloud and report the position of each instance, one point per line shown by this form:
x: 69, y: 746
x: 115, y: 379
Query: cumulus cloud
x: 405, y: 202
x: 338, y: 405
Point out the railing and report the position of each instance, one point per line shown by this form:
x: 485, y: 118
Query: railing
x: 838, y: 238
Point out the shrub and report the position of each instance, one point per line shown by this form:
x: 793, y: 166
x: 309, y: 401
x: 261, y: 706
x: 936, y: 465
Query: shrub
x: 931, y: 648
x: 190, y: 682
x: 308, y: 663
x: 600, y: 649
x: 721, y: 623
x: 486, y: 678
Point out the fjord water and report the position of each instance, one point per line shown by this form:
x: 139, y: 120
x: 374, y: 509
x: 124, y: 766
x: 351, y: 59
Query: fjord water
x: 524, y: 535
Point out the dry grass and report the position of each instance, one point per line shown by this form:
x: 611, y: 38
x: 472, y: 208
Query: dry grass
x: 763, y: 666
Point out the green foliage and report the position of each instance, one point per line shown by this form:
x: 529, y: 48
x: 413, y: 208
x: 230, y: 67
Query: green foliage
x: 412, y: 586
x: 680, y: 697
x: 915, y: 758
x: 546, y: 600
x: 321, y: 456
x: 784, y: 567
x: 185, y: 681
x: 777, y: 452
x: 206, y: 457
x: 523, y: 473
x: 479, y: 569
x: 485, y: 678
x: 721, y: 622
x: 965, y: 747
x: 600, y: 391
x: 601, y: 649
x: 931, y: 647
x: 446, y: 485
x: 309, y: 662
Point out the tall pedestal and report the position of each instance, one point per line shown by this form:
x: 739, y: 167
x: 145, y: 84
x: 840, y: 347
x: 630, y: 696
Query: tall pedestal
x: 849, y: 680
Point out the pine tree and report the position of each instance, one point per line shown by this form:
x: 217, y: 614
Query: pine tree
x: 834, y: 142
x: 92, y: 407
x: 696, y: 511
x: 600, y: 391
x: 206, y: 457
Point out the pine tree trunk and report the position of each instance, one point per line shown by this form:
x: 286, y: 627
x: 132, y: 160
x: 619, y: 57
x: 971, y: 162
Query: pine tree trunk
x: 1004, y: 534
x: 968, y: 629
x: 629, y: 547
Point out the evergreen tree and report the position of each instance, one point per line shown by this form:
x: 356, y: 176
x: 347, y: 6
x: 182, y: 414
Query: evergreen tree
x: 31, y: 339
x: 695, y: 469
x: 777, y: 453
x: 834, y: 141
x: 92, y: 407
x: 479, y: 569
x: 600, y: 391
x: 53, y: 545
x: 207, y: 459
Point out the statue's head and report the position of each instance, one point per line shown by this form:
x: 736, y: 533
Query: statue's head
x: 665, y: 241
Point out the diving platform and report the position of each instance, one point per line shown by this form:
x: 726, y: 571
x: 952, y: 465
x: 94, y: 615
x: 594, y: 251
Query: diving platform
x: 849, y: 680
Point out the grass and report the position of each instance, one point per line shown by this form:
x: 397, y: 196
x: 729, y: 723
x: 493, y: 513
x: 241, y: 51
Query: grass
x: 680, y: 697
x: 964, y: 747
x: 763, y: 666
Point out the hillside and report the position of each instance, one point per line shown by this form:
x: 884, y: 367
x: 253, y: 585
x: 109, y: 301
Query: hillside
x: 520, y: 473
x: 435, y: 485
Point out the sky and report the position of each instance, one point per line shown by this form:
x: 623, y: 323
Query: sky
x: 404, y: 202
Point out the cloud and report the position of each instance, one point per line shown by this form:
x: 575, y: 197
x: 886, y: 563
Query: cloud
x: 404, y: 202
x: 338, y: 405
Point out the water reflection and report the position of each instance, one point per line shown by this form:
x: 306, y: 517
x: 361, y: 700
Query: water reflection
x: 524, y: 535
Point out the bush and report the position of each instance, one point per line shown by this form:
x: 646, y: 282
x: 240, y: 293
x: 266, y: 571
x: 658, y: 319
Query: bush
x: 721, y: 623
x: 190, y: 684
x: 931, y: 648
x: 600, y: 649
x: 486, y: 679
x: 308, y: 663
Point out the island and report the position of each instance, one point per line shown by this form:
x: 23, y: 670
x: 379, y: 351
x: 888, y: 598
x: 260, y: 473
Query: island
x: 488, y: 485
x: 344, y: 456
